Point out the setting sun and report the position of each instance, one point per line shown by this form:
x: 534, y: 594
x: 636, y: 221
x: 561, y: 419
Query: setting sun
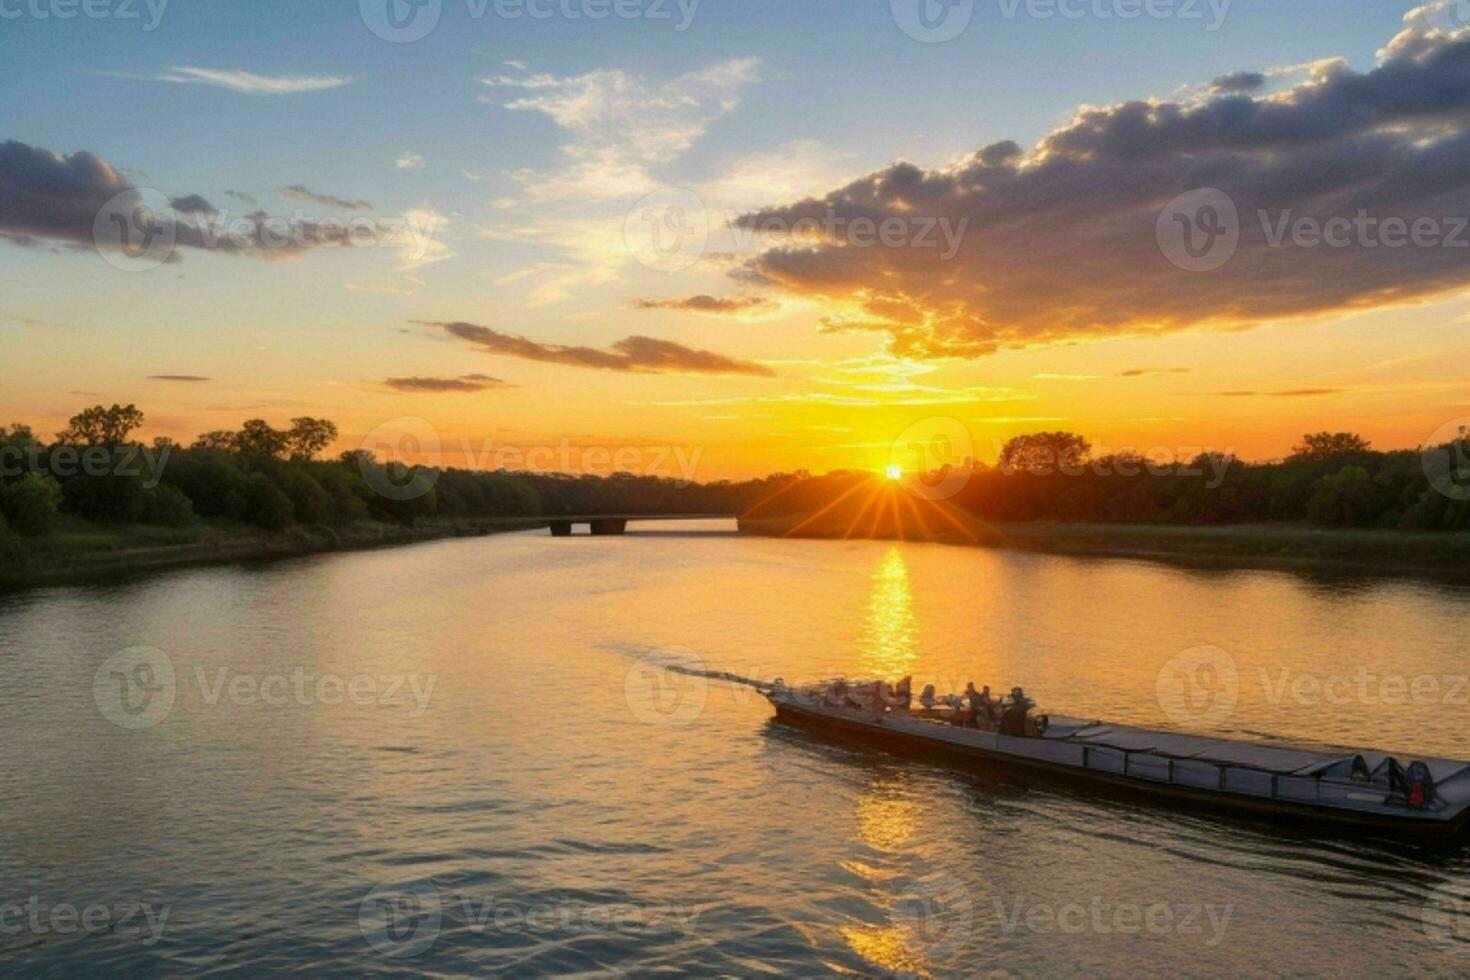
x: 892, y: 471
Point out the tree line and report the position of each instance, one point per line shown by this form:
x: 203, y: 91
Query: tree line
x: 271, y: 478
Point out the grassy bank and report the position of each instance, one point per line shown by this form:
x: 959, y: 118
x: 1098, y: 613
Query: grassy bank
x: 1251, y: 545
x: 78, y: 550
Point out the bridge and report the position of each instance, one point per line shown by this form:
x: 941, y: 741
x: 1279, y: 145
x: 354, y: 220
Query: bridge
x: 561, y: 524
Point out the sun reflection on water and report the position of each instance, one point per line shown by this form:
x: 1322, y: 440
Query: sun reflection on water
x: 889, y: 640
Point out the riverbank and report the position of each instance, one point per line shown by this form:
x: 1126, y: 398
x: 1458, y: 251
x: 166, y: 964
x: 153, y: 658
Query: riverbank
x: 1242, y: 545
x: 81, y: 552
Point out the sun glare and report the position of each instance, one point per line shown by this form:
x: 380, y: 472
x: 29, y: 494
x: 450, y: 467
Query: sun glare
x: 892, y: 471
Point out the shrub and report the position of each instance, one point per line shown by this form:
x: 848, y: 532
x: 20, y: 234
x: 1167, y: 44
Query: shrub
x: 31, y: 503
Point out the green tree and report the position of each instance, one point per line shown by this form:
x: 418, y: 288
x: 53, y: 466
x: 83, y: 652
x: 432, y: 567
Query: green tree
x: 1345, y: 498
x: 308, y: 436
x: 1319, y: 446
x: 257, y: 438
x: 31, y: 504
x: 98, y: 426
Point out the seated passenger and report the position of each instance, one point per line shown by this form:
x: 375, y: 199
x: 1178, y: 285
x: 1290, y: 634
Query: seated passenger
x: 1013, y: 719
x: 927, y: 699
x: 903, y: 693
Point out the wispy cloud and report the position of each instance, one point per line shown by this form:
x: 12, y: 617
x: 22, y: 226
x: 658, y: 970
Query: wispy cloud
x: 178, y: 377
x: 636, y: 353
x: 621, y: 124
x: 465, y: 382
x: 409, y: 161
x: 297, y: 192
x: 239, y: 81
x: 704, y: 303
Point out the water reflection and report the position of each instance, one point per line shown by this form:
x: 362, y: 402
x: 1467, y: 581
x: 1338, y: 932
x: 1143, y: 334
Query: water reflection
x: 886, y: 816
x: 889, y: 641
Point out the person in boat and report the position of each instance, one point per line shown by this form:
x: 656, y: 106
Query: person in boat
x: 1013, y: 718
x: 928, y: 699
x: 901, y: 695
x: 989, y: 708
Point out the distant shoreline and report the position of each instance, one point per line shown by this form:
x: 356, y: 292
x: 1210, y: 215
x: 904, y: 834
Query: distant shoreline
x: 1283, y: 546
x: 1288, y: 546
x: 72, y: 563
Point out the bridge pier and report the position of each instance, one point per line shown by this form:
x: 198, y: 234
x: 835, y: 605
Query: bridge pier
x: 609, y: 525
x: 560, y: 529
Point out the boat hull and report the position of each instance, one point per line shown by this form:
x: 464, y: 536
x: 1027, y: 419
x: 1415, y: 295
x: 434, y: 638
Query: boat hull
x: 865, y: 732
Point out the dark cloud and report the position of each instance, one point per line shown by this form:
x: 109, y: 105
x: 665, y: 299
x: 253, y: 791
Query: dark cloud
x: 55, y: 200
x: 643, y: 354
x: 178, y: 377
x: 1060, y: 245
x: 242, y: 197
x: 193, y: 204
x: 465, y: 382
x: 298, y: 193
x: 1239, y: 81
x: 704, y: 303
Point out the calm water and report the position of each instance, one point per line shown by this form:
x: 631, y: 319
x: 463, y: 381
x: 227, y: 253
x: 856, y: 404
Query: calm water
x: 453, y: 758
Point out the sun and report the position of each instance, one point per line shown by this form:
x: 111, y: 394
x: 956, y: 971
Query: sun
x: 892, y: 472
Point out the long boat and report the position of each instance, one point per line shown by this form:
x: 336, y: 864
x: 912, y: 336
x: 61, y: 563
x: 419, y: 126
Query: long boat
x: 1346, y: 791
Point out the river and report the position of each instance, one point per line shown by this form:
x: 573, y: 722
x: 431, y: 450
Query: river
x: 460, y: 757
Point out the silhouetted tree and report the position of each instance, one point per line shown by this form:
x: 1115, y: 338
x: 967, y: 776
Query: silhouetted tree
x: 1319, y: 446
x: 309, y: 436
x: 98, y: 426
x: 1041, y: 453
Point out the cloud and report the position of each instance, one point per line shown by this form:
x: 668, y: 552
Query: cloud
x: 242, y: 197
x: 47, y: 198
x: 622, y: 124
x: 704, y: 303
x: 239, y: 81
x: 193, y: 204
x: 299, y: 193
x: 178, y: 377
x: 1238, y: 81
x: 1059, y: 243
x: 465, y: 382
x: 1150, y: 372
x: 409, y: 161
x: 636, y: 353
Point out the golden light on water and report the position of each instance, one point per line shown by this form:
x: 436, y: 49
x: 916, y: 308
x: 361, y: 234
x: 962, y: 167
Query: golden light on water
x: 890, y: 630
